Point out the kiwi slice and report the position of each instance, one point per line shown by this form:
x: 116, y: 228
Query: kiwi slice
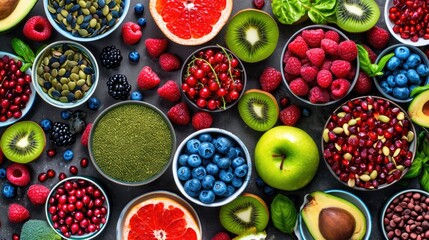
x: 357, y: 15
x: 252, y: 35
x: 23, y: 142
x: 244, y: 213
x: 258, y: 109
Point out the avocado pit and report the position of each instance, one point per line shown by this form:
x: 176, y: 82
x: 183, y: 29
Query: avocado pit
x: 7, y: 7
x: 336, y: 223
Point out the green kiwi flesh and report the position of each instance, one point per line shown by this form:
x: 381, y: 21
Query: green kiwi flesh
x: 243, y: 214
x: 357, y: 15
x: 252, y: 35
x: 23, y: 142
x: 258, y: 109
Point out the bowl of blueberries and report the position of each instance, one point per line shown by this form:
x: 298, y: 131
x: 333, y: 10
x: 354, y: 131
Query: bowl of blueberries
x: 211, y: 167
x: 405, y: 70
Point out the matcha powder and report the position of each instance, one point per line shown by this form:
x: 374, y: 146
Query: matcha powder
x: 132, y: 143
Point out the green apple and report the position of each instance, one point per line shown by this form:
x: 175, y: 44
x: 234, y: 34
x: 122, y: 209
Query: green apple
x: 286, y: 158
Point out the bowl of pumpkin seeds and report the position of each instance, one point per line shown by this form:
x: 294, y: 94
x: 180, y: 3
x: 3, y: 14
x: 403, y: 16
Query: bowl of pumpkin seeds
x: 65, y: 74
x: 85, y: 21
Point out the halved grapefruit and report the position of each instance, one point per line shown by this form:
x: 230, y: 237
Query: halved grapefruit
x: 190, y: 22
x: 160, y: 218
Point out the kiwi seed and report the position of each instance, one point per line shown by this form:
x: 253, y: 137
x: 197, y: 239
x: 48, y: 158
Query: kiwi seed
x: 23, y: 142
x: 258, y: 109
x: 252, y: 35
x: 357, y: 15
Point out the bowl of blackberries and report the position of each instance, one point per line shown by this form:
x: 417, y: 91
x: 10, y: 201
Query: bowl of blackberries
x: 406, y: 69
x: 213, y: 79
x: 211, y: 167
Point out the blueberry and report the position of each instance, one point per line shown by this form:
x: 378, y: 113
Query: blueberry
x: 134, y: 56
x: 413, y: 60
x: 385, y: 87
x: 401, y: 93
x: 206, y: 161
x: 206, y: 196
x: 224, y: 163
x: 234, y: 152
x: 422, y: 70
x: 222, y: 144
x: 66, y: 114
x: 226, y: 176
x: 68, y: 155
x: 229, y: 191
x: 46, y: 124
x: 199, y: 173
x: 269, y: 190
x: 413, y: 77
x: 93, y: 103
x: 142, y: 22
x: 391, y: 81
x: 212, y: 169
x: 216, y: 158
x: 205, y: 137
x: 206, y: 149
x: 138, y: 8
x: 241, y: 171
x: 236, y: 162
x: 183, y: 159
x: 260, y: 182
x: 184, y: 173
x: 237, y: 182
x: 208, y: 182
x: 192, y: 145
x: 2, y: 173
x: 8, y: 190
x: 194, y: 160
x: 193, y: 185
x: 136, y: 95
x: 405, y: 66
x: 401, y: 80
x: 219, y: 188
x: 402, y: 52
x: 393, y: 63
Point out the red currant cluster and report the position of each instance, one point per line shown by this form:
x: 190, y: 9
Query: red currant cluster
x: 213, y: 79
x: 14, y: 89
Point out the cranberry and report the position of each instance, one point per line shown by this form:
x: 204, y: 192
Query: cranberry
x: 42, y: 177
x: 84, y: 162
x: 62, y: 176
x: 73, y: 170
x: 51, y: 153
x: 51, y: 173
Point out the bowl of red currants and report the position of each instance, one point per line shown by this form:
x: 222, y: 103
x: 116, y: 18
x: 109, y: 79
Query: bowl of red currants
x: 17, y: 94
x: 369, y: 143
x: 213, y: 79
x: 77, y: 208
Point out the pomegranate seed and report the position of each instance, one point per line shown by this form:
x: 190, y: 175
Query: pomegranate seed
x: 42, y: 177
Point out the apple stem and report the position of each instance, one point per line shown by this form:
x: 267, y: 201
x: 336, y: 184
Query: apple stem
x: 283, y: 159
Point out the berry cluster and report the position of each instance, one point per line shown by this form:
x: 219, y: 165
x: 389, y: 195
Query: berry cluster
x: 61, y: 135
x: 213, y: 79
x: 111, y: 57
x: 119, y: 87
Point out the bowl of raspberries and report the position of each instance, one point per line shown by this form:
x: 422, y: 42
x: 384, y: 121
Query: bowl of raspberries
x: 211, y: 167
x: 319, y: 65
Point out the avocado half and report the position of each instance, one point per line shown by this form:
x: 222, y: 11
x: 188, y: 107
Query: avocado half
x: 13, y: 11
x: 330, y: 217
x: 418, y: 110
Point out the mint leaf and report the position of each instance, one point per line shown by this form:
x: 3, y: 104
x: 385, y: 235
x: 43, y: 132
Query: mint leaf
x: 419, y: 89
x: 25, y: 66
x: 383, y: 61
x: 424, y: 179
x: 23, y: 50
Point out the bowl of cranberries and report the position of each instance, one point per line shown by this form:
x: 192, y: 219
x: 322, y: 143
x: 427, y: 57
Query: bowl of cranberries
x: 319, y: 65
x: 16, y: 91
x: 369, y: 143
x: 77, y: 208
x: 213, y: 79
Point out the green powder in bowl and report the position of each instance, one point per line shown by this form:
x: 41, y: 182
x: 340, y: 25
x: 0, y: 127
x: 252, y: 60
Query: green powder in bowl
x: 132, y: 143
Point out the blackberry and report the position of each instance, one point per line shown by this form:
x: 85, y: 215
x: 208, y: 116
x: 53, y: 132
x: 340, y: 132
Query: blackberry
x: 61, y: 135
x: 111, y: 57
x: 118, y: 87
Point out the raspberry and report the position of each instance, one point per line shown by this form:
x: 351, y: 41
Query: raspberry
x: 17, y: 213
x: 340, y: 68
x: 352, y: 73
x: 363, y: 85
x: 37, y: 28
x: 287, y: 55
x: 347, y: 50
x: 326, y: 65
x: 329, y: 46
x: 111, y: 57
x: 85, y: 135
x: 313, y: 37
x: 299, y: 87
x: 118, y: 87
x: 201, y: 120
x: 324, y: 78
x: 309, y: 73
x: 259, y: 4
x: 318, y: 95
x: 147, y: 79
x: 377, y: 37
x: 371, y: 54
x: 316, y: 56
x: 298, y: 46
x: 170, y: 91
x: 270, y: 79
x: 293, y: 66
x: 169, y: 62
x: 284, y: 102
x: 131, y: 33
x: 333, y: 35
x: 221, y: 236
x: 18, y: 174
x: 290, y: 115
x: 179, y: 114
x: 37, y: 194
x: 340, y: 87
x: 156, y: 46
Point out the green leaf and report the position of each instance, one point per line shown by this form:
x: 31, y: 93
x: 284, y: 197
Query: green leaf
x: 425, y: 145
x: 364, y: 60
x: 383, y: 61
x: 415, y: 169
x: 419, y: 89
x: 322, y: 11
x: 23, y: 50
x: 25, y: 66
x: 289, y: 11
x: 424, y: 179
x: 283, y: 213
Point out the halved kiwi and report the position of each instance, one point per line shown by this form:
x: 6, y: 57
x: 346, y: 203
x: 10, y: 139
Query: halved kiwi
x: 357, y: 15
x: 252, y: 35
x: 244, y: 213
x: 258, y: 109
x: 23, y: 142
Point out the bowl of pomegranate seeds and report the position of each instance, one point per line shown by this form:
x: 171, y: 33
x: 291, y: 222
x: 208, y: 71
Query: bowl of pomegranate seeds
x: 77, y: 208
x: 213, y: 79
x: 16, y: 91
x: 319, y: 65
x: 369, y: 143
x: 407, y: 21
